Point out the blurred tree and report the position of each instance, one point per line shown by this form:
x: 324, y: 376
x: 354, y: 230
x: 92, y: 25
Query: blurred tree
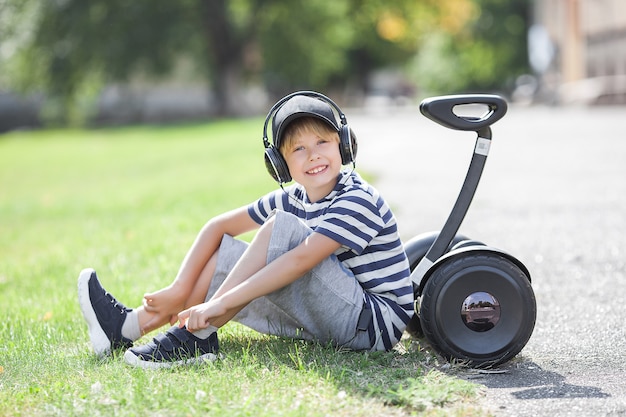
x: 388, y: 34
x: 481, y: 46
x: 69, y: 49
x: 303, y: 45
x: 74, y: 46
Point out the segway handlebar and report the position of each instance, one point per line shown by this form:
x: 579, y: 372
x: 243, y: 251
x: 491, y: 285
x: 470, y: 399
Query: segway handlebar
x: 442, y: 110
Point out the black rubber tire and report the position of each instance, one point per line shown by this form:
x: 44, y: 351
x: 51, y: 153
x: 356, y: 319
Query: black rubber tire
x: 448, y: 287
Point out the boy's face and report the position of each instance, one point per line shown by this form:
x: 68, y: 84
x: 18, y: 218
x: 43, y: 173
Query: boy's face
x: 314, y: 162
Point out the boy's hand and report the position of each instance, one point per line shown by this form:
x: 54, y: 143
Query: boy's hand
x: 202, y: 315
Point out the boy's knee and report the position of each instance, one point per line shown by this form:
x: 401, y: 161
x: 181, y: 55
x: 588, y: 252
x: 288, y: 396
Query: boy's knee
x: 267, y: 227
x: 287, y: 231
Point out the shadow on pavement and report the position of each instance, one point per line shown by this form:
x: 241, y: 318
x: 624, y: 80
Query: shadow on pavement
x: 528, y: 381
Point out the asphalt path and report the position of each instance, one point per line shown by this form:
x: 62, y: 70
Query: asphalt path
x: 553, y: 194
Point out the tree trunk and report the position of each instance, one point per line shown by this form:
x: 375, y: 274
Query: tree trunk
x: 224, y: 50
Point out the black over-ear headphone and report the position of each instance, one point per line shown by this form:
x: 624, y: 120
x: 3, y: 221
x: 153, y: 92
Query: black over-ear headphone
x: 274, y: 161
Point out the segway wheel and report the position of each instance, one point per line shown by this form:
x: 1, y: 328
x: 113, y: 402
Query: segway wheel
x: 478, y: 308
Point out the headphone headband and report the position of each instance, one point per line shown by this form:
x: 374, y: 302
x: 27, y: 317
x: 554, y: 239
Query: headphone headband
x: 307, y: 93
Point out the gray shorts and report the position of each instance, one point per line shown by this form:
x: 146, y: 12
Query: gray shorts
x: 324, y: 305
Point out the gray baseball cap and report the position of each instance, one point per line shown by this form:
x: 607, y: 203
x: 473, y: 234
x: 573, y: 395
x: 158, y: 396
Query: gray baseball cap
x: 300, y: 106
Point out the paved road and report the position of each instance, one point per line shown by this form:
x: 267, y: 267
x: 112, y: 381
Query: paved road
x: 554, y: 195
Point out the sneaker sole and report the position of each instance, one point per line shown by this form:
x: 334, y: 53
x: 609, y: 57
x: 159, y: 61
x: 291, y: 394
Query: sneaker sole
x: 131, y: 359
x: 99, y: 340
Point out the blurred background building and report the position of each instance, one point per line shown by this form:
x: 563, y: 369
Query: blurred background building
x: 580, y: 49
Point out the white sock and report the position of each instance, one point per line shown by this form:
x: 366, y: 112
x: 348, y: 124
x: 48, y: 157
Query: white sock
x: 204, y: 333
x: 130, y: 328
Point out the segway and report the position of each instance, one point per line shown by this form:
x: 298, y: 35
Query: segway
x: 474, y: 303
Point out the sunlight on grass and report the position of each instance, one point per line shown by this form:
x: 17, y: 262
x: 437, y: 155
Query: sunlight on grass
x: 129, y: 202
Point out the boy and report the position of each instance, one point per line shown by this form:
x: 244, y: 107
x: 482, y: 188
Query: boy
x: 326, y: 263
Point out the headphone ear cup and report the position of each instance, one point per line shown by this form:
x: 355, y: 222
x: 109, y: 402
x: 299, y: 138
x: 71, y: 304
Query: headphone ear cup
x: 276, y: 165
x: 354, y: 143
x: 347, y: 145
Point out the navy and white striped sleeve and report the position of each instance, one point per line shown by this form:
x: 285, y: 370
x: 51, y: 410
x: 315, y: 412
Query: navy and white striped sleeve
x: 353, y: 220
x: 275, y: 200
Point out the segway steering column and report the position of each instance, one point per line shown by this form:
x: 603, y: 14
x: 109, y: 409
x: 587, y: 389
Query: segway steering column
x: 442, y: 111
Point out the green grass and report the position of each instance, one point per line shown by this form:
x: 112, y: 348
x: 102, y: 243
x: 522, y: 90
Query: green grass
x: 129, y: 202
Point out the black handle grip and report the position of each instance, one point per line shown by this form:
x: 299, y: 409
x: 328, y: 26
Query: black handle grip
x: 441, y: 110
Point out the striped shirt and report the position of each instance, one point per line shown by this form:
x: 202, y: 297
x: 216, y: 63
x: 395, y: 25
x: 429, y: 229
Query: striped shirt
x: 356, y: 216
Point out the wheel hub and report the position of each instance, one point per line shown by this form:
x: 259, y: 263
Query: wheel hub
x: 480, y: 311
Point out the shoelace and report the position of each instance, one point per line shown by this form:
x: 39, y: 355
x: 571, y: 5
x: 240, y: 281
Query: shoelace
x: 116, y: 304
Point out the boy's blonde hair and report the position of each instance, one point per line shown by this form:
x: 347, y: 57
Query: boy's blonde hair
x: 305, y: 125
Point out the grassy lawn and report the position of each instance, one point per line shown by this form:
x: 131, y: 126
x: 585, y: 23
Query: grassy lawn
x: 128, y: 202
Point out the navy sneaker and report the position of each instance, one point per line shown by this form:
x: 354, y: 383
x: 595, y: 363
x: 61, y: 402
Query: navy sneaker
x: 103, y: 313
x: 173, y: 348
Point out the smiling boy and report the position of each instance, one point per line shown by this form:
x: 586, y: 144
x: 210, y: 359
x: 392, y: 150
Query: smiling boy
x: 326, y: 263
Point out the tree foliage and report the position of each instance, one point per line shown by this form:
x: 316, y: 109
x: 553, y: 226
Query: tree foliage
x: 485, y: 50
x: 304, y: 47
x: 68, y: 49
x: 78, y: 45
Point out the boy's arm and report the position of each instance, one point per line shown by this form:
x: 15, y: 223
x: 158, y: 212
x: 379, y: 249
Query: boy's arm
x: 279, y: 273
x: 283, y: 270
